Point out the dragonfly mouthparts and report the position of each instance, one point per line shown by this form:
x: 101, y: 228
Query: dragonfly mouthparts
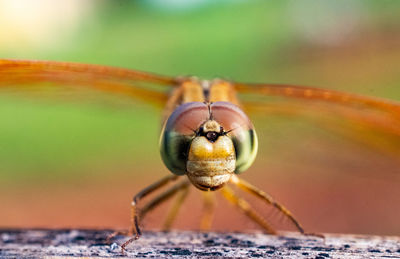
x: 212, y: 183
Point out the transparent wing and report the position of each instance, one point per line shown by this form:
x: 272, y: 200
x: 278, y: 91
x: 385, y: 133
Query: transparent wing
x: 333, y: 108
x: 372, y: 124
x: 371, y: 129
x: 314, y: 95
x: 26, y: 74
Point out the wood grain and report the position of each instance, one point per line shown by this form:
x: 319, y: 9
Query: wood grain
x: 18, y: 243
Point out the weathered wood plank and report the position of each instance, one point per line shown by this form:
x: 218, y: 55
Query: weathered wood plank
x: 92, y: 243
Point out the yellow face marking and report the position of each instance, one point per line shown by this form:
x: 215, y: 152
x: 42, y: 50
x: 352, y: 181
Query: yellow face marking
x: 211, y: 164
x: 202, y: 149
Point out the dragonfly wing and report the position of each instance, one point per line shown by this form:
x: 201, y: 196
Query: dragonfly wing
x: 371, y: 128
x: 328, y: 106
x: 365, y: 129
x: 314, y: 95
x: 128, y: 82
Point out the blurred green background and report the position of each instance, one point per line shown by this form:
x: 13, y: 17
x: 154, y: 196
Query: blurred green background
x: 77, y: 161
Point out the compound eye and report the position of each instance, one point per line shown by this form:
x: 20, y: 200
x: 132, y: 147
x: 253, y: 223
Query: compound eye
x: 178, y: 132
x: 241, y: 131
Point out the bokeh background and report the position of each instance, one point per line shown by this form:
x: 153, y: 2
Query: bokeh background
x: 76, y: 161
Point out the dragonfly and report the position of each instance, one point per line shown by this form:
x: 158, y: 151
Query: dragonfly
x: 207, y: 139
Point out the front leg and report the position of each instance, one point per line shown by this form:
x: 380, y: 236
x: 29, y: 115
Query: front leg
x: 134, y: 228
x: 246, y: 208
x: 182, y: 186
x: 267, y: 198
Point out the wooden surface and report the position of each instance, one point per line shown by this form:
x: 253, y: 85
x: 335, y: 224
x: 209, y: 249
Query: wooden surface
x: 92, y: 243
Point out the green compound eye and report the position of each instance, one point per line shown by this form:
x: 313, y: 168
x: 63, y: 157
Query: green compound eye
x: 178, y: 133
x: 246, y: 150
x: 239, y: 128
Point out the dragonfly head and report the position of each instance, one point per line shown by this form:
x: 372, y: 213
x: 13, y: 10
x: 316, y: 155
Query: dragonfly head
x: 208, y: 142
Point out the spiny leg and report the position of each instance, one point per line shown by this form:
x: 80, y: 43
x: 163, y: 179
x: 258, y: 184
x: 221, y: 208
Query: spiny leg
x: 134, y: 224
x: 208, y: 208
x: 247, y: 209
x: 267, y: 198
x: 150, y: 206
x: 146, y: 191
x: 162, y: 197
x: 173, y: 212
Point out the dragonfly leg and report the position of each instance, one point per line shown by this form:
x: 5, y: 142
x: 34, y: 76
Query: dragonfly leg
x: 114, y: 234
x: 267, y: 198
x: 134, y: 221
x: 245, y: 207
x: 208, y: 210
x: 143, y: 193
x: 173, y: 212
x: 148, y: 207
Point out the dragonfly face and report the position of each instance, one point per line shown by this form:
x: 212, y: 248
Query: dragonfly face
x: 207, y: 141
